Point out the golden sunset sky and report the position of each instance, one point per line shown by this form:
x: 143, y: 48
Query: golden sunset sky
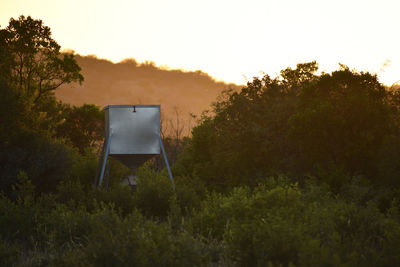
x: 231, y: 40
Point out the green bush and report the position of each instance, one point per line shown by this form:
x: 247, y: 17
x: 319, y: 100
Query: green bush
x: 9, y: 254
x: 153, y: 194
x: 134, y: 242
x: 278, y: 223
x: 189, y: 192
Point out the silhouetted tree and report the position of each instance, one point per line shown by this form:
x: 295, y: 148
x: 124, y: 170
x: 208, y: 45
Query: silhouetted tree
x: 33, y: 60
x: 28, y: 147
x: 31, y: 68
x: 83, y: 125
x: 298, y: 123
x: 341, y: 122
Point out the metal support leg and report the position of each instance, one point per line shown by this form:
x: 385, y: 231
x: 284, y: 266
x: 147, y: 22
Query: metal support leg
x: 107, y: 179
x: 166, y: 162
x: 96, y: 178
x: 105, y: 160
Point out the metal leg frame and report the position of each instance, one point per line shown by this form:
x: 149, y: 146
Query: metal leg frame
x: 96, y: 178
x: 107, y: 175
x: 106, y: 146
x: 105, y: 160
x: 166, y: 162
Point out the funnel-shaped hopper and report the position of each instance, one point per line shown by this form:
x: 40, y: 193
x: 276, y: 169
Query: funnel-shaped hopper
x: 134, y: 131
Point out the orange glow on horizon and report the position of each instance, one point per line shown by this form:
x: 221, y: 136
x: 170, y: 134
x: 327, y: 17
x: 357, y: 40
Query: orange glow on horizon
x: 230, y: 40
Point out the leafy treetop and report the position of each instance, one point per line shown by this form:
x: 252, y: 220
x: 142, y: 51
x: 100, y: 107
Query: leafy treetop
x: 31, y: 59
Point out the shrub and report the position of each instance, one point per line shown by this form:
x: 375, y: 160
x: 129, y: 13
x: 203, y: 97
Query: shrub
x: 153, y: 193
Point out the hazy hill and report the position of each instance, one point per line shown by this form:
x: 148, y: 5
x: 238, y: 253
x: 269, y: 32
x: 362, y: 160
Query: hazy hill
x: 128, y: 82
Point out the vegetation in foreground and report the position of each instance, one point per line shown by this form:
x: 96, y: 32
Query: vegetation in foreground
x: 296, y: 170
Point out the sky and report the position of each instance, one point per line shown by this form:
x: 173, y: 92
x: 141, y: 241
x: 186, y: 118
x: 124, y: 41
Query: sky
x: 230, y: 40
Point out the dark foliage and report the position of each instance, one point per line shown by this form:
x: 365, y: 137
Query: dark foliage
x: 299, y: 170
x: 32, y: 59
x: 83, y: 126
x: 300, y: 124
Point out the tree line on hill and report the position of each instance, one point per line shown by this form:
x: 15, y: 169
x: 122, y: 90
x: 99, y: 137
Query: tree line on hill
x: 129, y: 82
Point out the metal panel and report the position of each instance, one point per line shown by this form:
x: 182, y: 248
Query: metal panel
x: 134, y: 129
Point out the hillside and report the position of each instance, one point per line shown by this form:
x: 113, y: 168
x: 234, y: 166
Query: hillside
x: 128, y: 82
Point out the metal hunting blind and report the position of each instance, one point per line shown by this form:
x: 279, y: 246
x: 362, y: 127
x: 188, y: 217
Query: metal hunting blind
x: 132, y: 137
